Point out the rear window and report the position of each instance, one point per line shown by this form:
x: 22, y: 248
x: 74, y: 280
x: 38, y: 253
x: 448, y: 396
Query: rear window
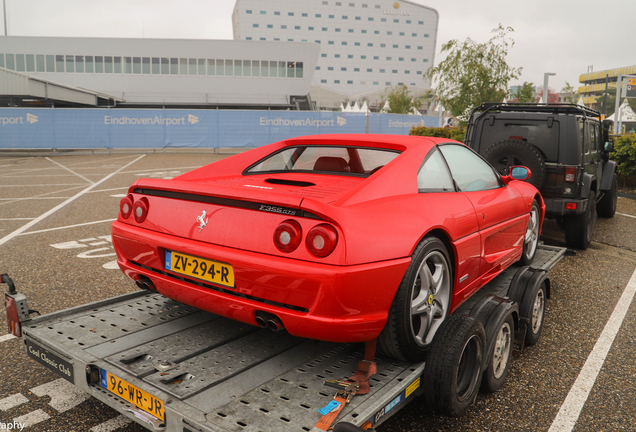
x: 535, y: 132
x: 357, y: 161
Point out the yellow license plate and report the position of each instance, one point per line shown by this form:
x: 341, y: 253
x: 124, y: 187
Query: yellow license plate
x: 132, y: 394
x: 200, y: 268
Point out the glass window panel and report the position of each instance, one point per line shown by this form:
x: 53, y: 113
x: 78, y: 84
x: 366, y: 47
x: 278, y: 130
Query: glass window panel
x: 108, y: 64
x: 211, y: 67
x: 264, y: 69
x: 229, y: 68
x: 20, y: 65
x: 174, y: 66
x: 88, y: 64
x: 99, y: 64
x: 192, y: 66
x: 247, y: 68
x: 165, y: 66
x: 127, y: 65
x: 238, y: 67
x: 50, y: 63
x: 256, y: 70
x: 10, y: 61
x: 201, y: 66
x: 39, y: 62
x: 145, y: 65
x: 59, y: 63
x: 299, y: 69
x: 273, y: 69
x: 156, y: 66
x: 183, y: 66
x: 1, y: 60
x: 136, y: 65
x: 220, y: 67
x: 471, y: 173
x: 434, y: 175
x: 290, y: 70
x: 30, y: 63
x: 79, y: 64
x: 282, y: 69
x: 117, y: 63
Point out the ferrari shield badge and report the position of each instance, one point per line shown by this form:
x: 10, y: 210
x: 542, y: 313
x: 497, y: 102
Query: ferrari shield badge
x: 202, y: 220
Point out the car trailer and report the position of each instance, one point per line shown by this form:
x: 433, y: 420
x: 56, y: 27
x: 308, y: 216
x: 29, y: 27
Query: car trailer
x: 172, y: 367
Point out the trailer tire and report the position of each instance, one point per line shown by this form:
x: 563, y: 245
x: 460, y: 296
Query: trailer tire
x: 453, y: 370
x: 532, y: 310
x: 500, y: 357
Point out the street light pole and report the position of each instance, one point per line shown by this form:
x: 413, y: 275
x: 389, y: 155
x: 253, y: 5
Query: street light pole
x: 546, y: 77
x: 4, y: 9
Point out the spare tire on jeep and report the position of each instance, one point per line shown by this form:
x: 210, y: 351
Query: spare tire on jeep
x: 507, y: 153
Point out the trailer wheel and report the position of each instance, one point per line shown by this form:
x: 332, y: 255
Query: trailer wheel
x: 500, y: 357
x: 532, y: 308
x: 454, y: 364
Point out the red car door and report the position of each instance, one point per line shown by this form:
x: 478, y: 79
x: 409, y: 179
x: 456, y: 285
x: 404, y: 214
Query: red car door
x: 500, y: 210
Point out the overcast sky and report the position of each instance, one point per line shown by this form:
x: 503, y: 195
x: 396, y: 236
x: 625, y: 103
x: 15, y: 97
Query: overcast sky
x: 560, y: 36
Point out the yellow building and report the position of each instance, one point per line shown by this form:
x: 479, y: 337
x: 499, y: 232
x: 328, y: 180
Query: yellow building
x: 593, y: 83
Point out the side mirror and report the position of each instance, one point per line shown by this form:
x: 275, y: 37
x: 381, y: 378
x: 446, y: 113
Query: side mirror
x: 609, y: 146
x: 517, y: 173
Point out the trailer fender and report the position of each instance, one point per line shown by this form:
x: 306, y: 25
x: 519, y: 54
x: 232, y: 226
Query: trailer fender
x: 492, y: 311
x: 523, y: 288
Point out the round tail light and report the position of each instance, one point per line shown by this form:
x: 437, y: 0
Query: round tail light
x: 322, y: 240
x: 140, y: 210
x: 126, y: 206
x: 287, y: 236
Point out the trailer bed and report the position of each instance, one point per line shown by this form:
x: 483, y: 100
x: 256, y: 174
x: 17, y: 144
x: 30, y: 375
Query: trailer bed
x: 182, y: 369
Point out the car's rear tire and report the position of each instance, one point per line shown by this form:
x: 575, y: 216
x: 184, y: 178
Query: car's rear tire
x: 507, y: 153
x: 531, y: 239
x: 421, y: 303
x: 453, y: 370
x: 606, y: 207
x: 579, y: 228
x: 501, y: 356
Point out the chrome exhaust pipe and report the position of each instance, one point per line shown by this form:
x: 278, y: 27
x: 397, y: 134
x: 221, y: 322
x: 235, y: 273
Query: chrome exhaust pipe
x: 260, y: 321
x: 275, y: 324
x: 145, y: 283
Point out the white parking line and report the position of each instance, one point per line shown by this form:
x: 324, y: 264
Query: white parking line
x: 41, y: 195
x: 623, y: 214
x: 6, y: 337
x: 31, y: 418
x: 68, y: 226
x: 112, y: 424
x: 12, y: 401
x: 63, y: 394
x: 571, y: 409
x: 71, y: 171
x: 62, y: 205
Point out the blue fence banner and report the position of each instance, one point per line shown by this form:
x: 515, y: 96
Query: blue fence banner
x: 48, y: 128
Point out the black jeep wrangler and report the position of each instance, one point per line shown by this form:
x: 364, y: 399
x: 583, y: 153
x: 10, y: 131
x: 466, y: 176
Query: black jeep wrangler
x: 566, y: 147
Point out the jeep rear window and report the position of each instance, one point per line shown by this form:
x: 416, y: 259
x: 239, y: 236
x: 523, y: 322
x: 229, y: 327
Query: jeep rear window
x: 535, y: 132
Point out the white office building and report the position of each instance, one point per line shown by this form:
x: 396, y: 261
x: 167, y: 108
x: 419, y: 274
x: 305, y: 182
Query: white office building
x: 365, y: 45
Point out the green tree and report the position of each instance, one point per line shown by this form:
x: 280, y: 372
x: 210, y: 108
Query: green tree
x: 400, y: 100
x: 524, y: 93
x: 572, y: 93
x: 474, y: 73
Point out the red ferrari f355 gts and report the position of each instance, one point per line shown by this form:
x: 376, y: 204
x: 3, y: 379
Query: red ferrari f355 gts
x: 342, y: 238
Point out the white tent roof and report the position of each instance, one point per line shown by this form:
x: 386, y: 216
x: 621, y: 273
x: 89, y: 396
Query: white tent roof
x: 627, y: 113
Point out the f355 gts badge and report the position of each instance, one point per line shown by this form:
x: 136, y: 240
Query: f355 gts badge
x: 202, y: 220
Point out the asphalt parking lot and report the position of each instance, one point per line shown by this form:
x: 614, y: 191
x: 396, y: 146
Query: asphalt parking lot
x: 55, y: 215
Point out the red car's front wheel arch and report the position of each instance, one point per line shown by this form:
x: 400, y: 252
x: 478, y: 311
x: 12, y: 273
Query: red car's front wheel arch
x: 421, y: 304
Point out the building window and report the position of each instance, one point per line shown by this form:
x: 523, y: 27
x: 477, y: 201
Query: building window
x: 382, y: 70
x: 369, y: 70
x: 396, y: 20
x: 395, y: 46
x: 255, y: 25
x: 336, y: 55
x: 330, y: 42
x: 349, y: 82
x: 324, y: 29
x: 425, y: 35
x: 407, y: 46
x: 414, y: 34
x: 389, y: 33
x: 407, y: 72
x: 408, y: 21
x: 318, y: 15
x: 262, y: 39
x: 297, y: 27
x: 323, y: 55
x: 370, y: 18
x: 345, y: 17
x: 401, y: 33
x: 376, y: 57
x: 383, y: 19
x: 304, y: 14
x: 364, y: 31
x: 350, y: 56
x: 248, y: 11
x: 317, y: 41
x: 323, y: 81
x: 248, y: 38
x: 290, y: 40
x: 350, y: 30
x: 419, y: 72
x: 370, y: 44
x: 376, y: 31
x: 388, y: 83
x: 376, y: 83
x: 425, y: 60
x: 336, y: 81
x: 343, y: 69
x: 357, y: 44
x: 420, y: 22
x: 263, y: 13
x: 382, y: 45
x: 413, y: 60
x: 283, y: 27
x: 388, y: 58
x: 358, y: 18
x: 290, y: 14
x: 311, y: 28
x: 356, y: 69
x: 401, y: 59
x: 331, y: 16
x: 330, y: 68
x: 419, y: 48
x: 344, y: 42
x: 276, y: 13
x: 337, y: 30
x: 270, y: 26
x: 394, y: 71
x: 363, y: 57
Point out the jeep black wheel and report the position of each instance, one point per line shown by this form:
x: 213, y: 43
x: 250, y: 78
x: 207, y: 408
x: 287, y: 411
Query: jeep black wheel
x: 606, y: 207
x: 507, y: 153
x: 421, y: 303
x: 452, y: 374
x: 579, y: 228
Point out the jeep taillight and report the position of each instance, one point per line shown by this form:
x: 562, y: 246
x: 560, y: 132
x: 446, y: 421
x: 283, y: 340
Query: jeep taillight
x: 570, y: 174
